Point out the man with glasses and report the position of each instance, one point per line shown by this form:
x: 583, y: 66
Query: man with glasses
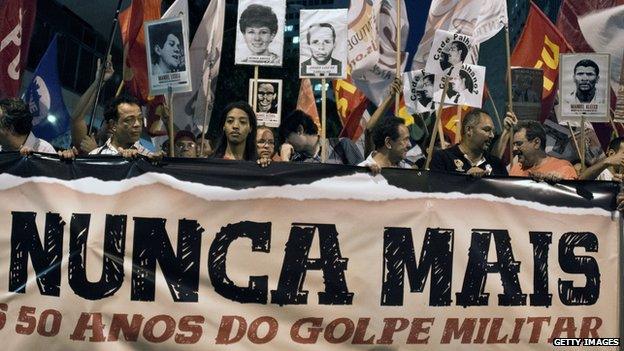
x: 266, y: 98
x: 529, y: 145
x: 185, y: 144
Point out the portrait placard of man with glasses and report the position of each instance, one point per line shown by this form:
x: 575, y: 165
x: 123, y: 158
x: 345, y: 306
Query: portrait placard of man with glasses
x: 268, y: 101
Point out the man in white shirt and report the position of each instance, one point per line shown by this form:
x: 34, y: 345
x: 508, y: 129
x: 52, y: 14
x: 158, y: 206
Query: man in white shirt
x: 15, y: 129
x: 125, y: 112
x: 391, y: 139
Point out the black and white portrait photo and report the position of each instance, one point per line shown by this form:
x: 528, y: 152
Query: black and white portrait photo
x: 418, y: 89
x: 464, y: 89
x: 168, y: 62
x: 260, y: 32
x: 322, y: 42
x: 268, y: 101
x: 527, y: 86
x: 448, y: 53
x: 584, y: 89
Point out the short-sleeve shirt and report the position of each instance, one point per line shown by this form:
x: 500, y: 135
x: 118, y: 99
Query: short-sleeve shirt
x: 37, y: 145
x: 454, y: 160
x: 562, y: 168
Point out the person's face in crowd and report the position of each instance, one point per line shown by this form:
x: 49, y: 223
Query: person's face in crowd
x: 170, y: 53
x: 482, y: 134
x: 207, y: 151
x: 585, y: 78
x: 129, y: 124
x: 525, y: 149
x: 454, y: 54
x: 236, y: 126
x: 398, y: 148
x: 266, y: 96
x: 185, y: 147
x: 265, y: 143
x: 258, y: 39
x: 321, y: 44
x: 301, y: 141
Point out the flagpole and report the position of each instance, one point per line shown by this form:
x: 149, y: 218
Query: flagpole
x: 398, y: 57
x: 459, y: 124
x: 583, y: 143
x: 205, y: 124
x: 170, y: 120
x: 437, y: 124
x: 323, y: 121
x: 120, y: 88
x: 103, y: 67
x: 509, y: 92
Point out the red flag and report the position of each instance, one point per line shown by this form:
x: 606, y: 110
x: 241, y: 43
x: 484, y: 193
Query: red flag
x: 539, y: 46
x: 18, y: 18
x: 450, y: 119
x: 306, y: 101
x: 133, y: 37
x: 351, y: 104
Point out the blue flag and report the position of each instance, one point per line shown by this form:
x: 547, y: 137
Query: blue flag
x: 44, y: 98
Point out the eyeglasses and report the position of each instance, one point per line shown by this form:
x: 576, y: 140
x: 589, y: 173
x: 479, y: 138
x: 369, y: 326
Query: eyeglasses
x: 267, y: 142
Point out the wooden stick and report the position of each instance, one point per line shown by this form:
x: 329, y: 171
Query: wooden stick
x: 498, y: 118
x: 255, y: 89
x: 170, y: 120
x: 458, y: 125
x: 576, y: 145
x: 323, y: 121
x: 509, y: 92
x: 617, y: 134
x: 583, y: 143
x: 398, y: 58
x: 120, y: 88
x: 205, y: 124
x: 436, y: 125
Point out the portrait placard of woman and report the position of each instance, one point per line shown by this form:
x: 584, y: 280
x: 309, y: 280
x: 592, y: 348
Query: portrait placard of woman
x: 260, y: 38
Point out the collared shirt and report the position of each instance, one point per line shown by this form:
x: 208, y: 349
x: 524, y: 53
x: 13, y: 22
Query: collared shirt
x: 562, y: 168
x: 109, y: 149
x: 371, y: 160
x: 454, y: 160
x: 37, y: 145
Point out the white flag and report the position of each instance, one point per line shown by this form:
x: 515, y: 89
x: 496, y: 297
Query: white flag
x: 192, y: 108
x: 178, y: 8
x: 457, y: 16
x: 604, y: 32
x: 372, y: 45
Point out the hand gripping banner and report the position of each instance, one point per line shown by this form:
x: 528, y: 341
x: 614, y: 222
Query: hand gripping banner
x: 104, y: 253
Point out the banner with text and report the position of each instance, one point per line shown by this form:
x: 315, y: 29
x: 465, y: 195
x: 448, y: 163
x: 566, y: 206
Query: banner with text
x: 229, y: 256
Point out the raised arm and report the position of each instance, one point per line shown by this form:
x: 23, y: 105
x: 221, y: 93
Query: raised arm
x: 79, y: 125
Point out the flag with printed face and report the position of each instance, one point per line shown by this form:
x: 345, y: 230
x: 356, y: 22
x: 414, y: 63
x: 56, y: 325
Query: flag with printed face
x: 18, y: 19
x: 456, y: 16
x: 133, y: 38
x: 539, y: 46
x: 45, y: 99
x: 194, y: 108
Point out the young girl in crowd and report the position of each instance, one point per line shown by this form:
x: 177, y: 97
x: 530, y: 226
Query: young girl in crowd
x: 238, y: 137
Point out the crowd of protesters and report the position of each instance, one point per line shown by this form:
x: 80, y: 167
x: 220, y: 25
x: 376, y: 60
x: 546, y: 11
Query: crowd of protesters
x: 387, y: 141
